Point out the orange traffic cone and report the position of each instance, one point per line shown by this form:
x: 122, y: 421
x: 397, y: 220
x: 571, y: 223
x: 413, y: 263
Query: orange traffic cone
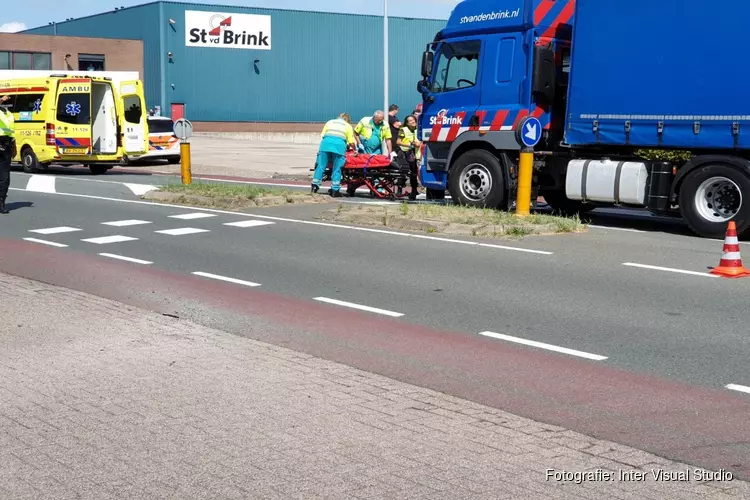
x: 730, y: 265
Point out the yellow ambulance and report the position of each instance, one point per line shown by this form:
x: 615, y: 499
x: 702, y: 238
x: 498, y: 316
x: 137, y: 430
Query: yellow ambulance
x: 74, y: 120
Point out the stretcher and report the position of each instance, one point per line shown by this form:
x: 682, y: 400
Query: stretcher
x: 382, y: 177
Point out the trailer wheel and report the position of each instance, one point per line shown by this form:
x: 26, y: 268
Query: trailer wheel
x: 562, y: 205
x: 713, y: 195
x: 476, y: 179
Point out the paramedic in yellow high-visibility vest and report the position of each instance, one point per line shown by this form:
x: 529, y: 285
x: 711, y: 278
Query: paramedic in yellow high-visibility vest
x: 410, y: 151
x: 337, y: 135
x: 7, y: 150
x: 372, y: 132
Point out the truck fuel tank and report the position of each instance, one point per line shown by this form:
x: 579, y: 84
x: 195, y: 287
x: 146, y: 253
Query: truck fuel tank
x: 607, y: 181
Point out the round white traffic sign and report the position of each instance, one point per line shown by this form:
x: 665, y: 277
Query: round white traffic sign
x: 183, y: 129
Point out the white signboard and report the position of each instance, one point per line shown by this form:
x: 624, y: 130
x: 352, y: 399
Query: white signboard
x: 227, y: 31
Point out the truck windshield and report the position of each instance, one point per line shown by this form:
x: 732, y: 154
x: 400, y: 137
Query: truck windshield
x: 457, y: 66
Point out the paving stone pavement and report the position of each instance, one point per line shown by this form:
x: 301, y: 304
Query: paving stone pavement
x: 100, y: 400
x: 240, y: 157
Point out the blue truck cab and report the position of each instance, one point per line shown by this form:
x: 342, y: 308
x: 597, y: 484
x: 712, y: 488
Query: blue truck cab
x: 621, y: 105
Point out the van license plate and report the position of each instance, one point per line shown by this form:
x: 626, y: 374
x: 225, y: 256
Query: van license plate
x: 76, y: 151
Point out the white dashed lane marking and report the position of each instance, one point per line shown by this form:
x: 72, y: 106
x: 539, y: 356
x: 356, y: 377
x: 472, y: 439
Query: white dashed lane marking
x: 739, y: 388
x: 41, y: 184
x: 55, y: 230
x: 617, y: 228
x: 297, y: 221
x: 127, y: 259
x: 352, y: 305
x: 549, y: 347
x: 124, y: 223
x: 669, y: 270
x: 45, y: 242
x: 104, y: 240
x: 249, y: 223
x: 225, y: 278
x: 182, y: 231
x: 196, y: 215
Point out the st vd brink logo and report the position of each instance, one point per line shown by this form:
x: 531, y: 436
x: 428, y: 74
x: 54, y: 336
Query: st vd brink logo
x: 222, y: 35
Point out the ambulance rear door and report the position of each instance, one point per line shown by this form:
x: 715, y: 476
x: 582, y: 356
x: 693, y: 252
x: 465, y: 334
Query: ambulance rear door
x: 133, y: 119
x: 73, y: 117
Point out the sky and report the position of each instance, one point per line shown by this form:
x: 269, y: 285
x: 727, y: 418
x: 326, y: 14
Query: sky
x: 17, y: 16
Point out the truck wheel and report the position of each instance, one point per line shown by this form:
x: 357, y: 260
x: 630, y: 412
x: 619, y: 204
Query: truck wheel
x: 476, y: 179
x: 174, y: 160
x: 560, y: 204
x: 99, y: 169
x: 29, y: 161
x: 713, y: 195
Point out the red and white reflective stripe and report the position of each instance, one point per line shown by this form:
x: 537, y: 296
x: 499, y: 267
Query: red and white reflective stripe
x: 498, y: 120
x: 449, y: 133
x: 731, y: 240
x: 455, y: 128
x: 733, y: 257
x: 445, y: 132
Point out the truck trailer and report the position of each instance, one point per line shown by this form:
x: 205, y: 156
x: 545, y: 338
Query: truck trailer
x: 634, y: 104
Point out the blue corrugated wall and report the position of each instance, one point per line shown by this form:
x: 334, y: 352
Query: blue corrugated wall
x: 138, y: 23
x: 321, y: 64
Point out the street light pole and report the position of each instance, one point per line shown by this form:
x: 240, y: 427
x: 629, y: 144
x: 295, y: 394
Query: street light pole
x: 385, y: 56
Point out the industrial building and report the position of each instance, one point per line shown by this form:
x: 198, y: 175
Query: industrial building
x: 69, y: 53
x: 250, y: 69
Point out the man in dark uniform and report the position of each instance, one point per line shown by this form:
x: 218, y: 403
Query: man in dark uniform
x: 7, y: 150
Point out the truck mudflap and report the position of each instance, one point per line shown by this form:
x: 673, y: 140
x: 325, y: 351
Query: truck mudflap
x: 433, y: 179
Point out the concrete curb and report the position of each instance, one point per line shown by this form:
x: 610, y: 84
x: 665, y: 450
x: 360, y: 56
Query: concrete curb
x: 397, y: 221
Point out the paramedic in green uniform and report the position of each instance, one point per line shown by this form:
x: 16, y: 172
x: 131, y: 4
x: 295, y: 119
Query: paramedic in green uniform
x: 337, y: 135
x: 372, y: 132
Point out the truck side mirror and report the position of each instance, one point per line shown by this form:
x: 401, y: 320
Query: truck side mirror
x: 426, y: 63
x: 424, y: 89
x: 545, y: 73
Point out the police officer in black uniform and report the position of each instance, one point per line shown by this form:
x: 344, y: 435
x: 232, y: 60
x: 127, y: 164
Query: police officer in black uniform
x: 7, y: 151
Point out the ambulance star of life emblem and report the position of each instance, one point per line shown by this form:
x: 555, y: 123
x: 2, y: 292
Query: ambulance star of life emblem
x: 73, y: 108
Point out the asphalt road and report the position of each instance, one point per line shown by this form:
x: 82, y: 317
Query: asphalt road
x: 646, y: 352
x: 628, y: 220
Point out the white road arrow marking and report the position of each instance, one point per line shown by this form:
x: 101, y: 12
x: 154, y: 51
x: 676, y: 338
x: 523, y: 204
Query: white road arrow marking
x: 140, y: 189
